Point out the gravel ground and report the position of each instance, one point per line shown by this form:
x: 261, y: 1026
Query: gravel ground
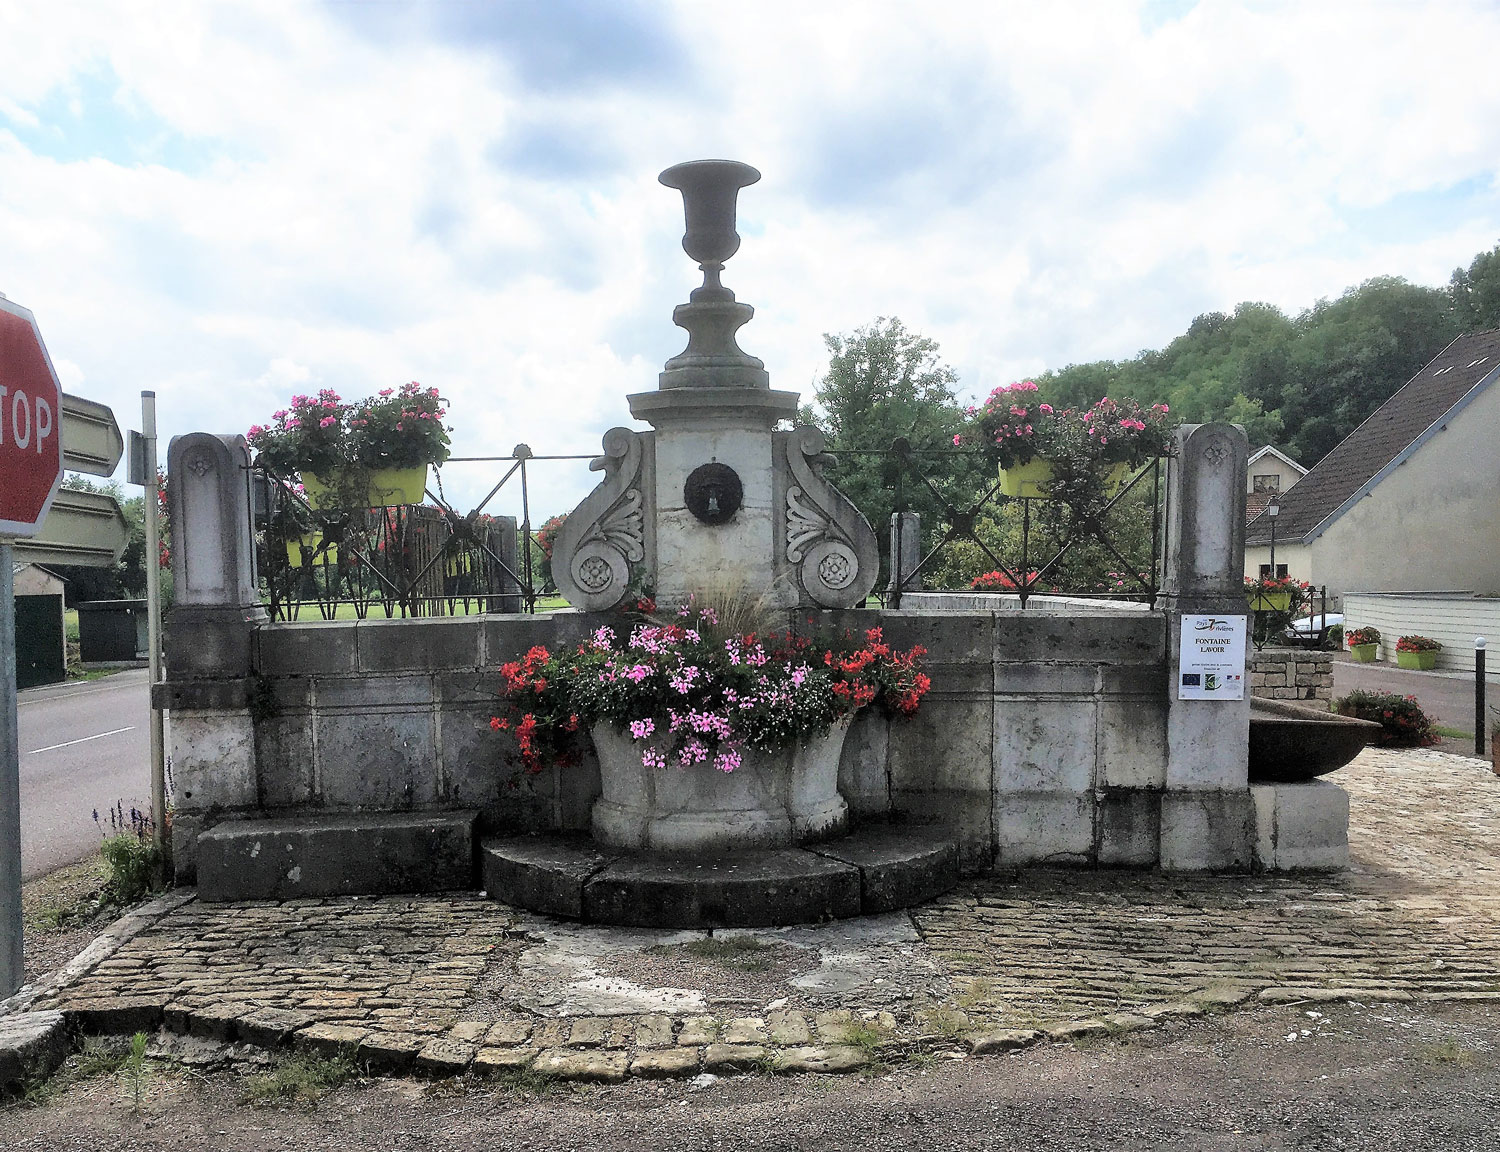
x: 1325, y: 1076
x: 61, y: 915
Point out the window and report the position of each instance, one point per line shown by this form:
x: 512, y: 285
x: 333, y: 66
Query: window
x: 1265, y: 570
x: 1271, y: 483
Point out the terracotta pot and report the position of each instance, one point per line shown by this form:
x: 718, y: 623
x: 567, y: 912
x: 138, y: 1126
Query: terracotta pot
x: 772, y: 799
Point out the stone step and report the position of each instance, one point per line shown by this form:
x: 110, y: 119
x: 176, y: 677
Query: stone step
x: 872, y: 870
x: 347, y: 854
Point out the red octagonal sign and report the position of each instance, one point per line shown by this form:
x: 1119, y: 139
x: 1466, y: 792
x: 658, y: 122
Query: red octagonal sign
x: 30, y: 424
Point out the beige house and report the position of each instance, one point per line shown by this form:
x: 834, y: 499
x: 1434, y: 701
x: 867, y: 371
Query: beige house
x: 1268, y: 473
x: 1410, y: 500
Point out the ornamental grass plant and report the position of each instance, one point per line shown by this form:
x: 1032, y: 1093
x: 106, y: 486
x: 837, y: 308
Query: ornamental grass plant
x: 700, y: 689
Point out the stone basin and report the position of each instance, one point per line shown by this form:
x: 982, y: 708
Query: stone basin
x: 1294, y: 742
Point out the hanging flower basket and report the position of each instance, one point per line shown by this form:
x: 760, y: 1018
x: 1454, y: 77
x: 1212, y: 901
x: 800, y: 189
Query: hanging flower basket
x: 1027, y: 481
x: 1263, y: 601
x: 384, y: 488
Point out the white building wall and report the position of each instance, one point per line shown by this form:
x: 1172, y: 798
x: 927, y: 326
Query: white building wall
x: 1431, y: 525
x: 1453, y: 620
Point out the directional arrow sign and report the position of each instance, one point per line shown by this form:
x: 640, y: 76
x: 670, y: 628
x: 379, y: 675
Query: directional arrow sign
x: 91, y: 440
x: 85, y: 528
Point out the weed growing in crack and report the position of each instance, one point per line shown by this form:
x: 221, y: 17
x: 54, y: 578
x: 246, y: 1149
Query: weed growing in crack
x: 302, y: 1077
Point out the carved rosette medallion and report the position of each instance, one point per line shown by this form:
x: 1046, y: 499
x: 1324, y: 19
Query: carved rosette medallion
x: 605, y: 538
x: 829, y: 543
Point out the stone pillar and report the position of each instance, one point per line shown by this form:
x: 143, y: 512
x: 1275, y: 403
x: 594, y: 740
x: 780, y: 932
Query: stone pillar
x: 906, y: 551
x: 216, y: 604
x: 210, y: 638
x: 1206, y: 811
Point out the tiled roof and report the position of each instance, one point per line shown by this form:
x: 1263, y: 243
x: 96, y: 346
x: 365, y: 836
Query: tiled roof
x: 1393, y: 427
x: 1255, y: 504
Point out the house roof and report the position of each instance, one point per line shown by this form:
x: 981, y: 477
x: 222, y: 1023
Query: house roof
x: 1272, y: 450
x: 1392, y: 432
x: 1255, y: 504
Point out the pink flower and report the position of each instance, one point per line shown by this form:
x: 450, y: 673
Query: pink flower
x: 255, y: 430
x: 654, y: 758
x: 957, y: 439
x: 387, y: 391
x: 327, y: 420
x: 640, y: 729
x: 1047, y: 408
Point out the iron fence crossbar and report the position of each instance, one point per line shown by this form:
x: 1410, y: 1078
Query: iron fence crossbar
x: 446, y: 559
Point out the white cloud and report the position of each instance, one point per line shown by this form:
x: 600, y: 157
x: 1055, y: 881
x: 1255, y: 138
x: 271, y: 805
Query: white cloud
x: 227, y: 203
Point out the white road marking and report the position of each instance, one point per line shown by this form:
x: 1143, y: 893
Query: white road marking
x: 84, y: 740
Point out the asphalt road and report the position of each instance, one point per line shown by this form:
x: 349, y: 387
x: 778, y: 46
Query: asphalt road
x: 83, y: 746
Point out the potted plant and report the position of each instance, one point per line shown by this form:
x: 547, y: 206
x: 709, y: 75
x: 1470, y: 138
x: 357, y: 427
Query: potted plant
x: 1418, y: 652
x: 367, y: 454
x: 708, y: 737
x: 1364, y: 643
x: 1275, y: 593
x: 1043, y: 451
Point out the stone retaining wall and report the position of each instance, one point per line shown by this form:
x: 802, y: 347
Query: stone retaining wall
x: 1043, y: 738
x: 1291, y: 674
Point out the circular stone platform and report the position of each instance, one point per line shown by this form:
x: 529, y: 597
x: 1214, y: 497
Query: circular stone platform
x: 875, y: 869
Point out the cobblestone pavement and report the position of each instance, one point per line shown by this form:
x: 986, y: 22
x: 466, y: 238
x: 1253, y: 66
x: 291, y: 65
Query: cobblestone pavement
x: 454, y: 983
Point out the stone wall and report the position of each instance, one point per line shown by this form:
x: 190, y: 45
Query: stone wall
x: 1291, y: 674
x: 1043, y: 737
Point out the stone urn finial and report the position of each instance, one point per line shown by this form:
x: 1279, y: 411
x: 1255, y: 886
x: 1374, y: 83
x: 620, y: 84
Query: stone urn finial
x: 709, y: 190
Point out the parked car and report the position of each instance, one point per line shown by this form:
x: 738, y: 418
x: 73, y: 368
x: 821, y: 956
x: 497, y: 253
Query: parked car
x: 1312, y: 631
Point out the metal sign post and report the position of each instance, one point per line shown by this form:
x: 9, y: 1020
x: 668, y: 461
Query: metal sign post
x: 31, y: 466
x: 12, y: 963
x: 153, y: 617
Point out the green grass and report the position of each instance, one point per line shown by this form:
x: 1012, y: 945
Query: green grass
x: 1452, y: 733
x: 1448, y: 1051
x: 310, y: 612
x: 302, y: 1077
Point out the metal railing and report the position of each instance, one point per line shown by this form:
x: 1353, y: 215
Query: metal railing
x: 1045, y: 533
x: 410, y: 560
x: 428, y: 559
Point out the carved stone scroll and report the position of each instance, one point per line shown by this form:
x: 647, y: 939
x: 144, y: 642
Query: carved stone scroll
x: 606, y: 539
x: 829, y: 544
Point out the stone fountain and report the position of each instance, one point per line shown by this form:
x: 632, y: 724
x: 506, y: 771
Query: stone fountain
x: 719, y: 494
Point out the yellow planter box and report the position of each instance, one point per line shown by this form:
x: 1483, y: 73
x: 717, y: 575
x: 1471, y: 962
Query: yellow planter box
x: 305, y: 551
x: 1270, y: 601
x: 386, y: 488
x: 1027, y: 480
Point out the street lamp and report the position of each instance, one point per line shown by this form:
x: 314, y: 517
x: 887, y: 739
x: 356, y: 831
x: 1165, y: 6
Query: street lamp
x: 1272, y: 510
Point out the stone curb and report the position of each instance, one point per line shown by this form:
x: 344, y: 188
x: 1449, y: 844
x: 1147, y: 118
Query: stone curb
x: 105, y: 945
x: 470, y: 1048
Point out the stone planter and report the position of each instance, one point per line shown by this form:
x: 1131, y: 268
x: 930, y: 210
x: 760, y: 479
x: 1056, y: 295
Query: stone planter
x: 1027, y: 480
x: 770, y: 800
x: 385, y: 488
x: 1420, y: 661
x: 1364, y: 653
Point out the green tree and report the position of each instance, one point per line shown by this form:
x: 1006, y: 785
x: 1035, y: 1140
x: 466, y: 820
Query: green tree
x: 885, y: 382
x: 1475, y: 292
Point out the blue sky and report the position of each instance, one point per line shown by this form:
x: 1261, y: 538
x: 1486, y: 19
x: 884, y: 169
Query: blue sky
x: 228, y: 202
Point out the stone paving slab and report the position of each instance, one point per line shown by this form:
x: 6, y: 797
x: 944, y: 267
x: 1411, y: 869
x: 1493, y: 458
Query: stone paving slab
x: 446, y: 983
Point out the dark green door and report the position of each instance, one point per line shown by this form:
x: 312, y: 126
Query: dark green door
x: 39, y: 641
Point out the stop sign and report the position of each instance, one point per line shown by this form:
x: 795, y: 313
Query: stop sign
x: 30, y: 423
